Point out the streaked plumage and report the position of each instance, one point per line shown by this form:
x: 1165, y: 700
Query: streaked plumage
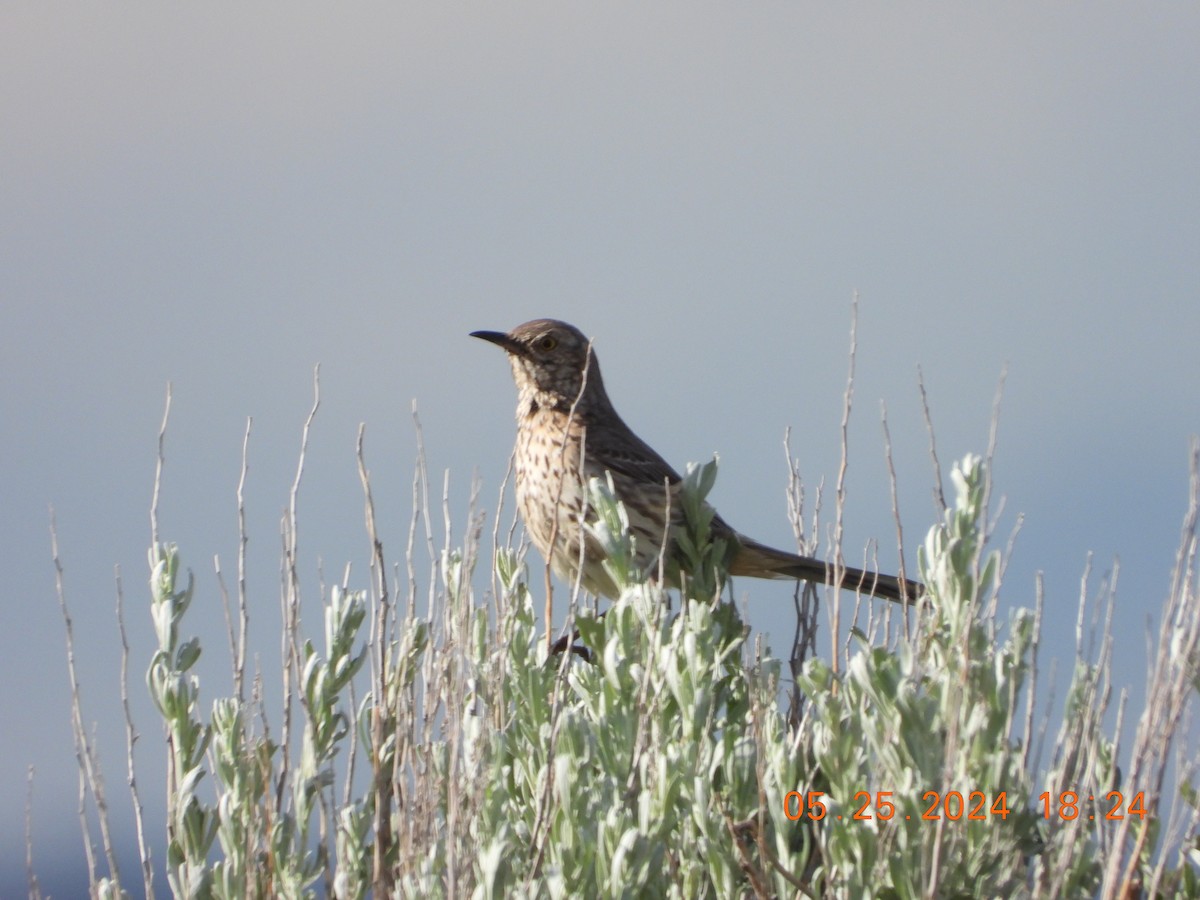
x: 569, y: 432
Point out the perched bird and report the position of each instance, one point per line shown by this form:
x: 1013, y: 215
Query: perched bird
x: 568, y: 432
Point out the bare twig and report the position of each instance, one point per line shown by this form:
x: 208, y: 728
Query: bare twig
x: 902, y: 573
x: 838, y: 561
x: 381, y: 639
x: 806, y: 599
x: 239, y: 673
x: 35, y: 892
x: 91, y: 778
x: 990, y: 454
x: 290, y: 598
x: 131, y: 738
x: 939, y: 495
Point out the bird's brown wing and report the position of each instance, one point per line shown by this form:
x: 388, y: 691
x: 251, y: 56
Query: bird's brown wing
x: 612, y: 445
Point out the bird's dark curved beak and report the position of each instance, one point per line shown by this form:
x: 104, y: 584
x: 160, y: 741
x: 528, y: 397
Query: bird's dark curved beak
x: 500, y: 339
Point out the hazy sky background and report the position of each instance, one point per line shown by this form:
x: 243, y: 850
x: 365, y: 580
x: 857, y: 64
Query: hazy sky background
x: 224, y: 196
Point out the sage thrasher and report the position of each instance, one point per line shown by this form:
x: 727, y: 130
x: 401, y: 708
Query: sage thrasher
x: 568, y: 432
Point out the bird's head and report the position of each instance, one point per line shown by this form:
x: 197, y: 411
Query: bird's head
x: 549, y: 359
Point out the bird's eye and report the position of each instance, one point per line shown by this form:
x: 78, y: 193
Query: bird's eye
x: 547, y: 343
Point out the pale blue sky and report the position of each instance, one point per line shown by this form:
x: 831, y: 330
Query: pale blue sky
x: 223, y: 197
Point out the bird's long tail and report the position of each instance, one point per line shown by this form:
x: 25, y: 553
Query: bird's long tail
x: 760, y: 561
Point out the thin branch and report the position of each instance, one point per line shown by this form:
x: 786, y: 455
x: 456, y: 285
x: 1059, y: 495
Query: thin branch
x: 290, y: 600
x: 35, y: 892
x: 243, y: 540
x: 990, y: 454
x: 131, y: 738
x: 839, y: 563
x: 939, y: 494
x: 902, y: 574
x: 90, y: 777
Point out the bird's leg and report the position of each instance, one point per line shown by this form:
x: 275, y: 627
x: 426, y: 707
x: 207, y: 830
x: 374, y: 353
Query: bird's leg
x: 567, y: 642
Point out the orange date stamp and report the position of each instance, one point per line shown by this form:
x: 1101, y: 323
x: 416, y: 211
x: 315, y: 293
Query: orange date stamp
x: 974, y: 806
